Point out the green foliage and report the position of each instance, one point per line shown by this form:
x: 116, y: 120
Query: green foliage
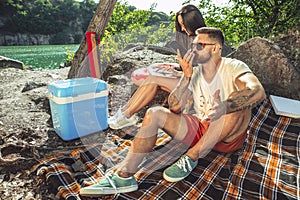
x: 69, y: 57
x: 86, y: 11
x: 273, y: 17
x: 162, y: 35
x: 242, y: 20
x: 128, y: 25
x: 245, y: 19
x: 63, y: 18
x: 125, y: 18
x: 158, y: 17
x: 45, y: 16
x: 158, y: 35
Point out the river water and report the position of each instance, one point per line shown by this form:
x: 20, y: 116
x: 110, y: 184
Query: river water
x: 41, y: 56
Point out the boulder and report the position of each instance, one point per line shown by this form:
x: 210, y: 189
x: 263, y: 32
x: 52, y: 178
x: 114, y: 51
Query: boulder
x: 271, y: 65
x: 10, y: 63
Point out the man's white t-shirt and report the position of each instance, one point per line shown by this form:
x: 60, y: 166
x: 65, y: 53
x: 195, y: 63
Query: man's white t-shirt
x: 224, y: 80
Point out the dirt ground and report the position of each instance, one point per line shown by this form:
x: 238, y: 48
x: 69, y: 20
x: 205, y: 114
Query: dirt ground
x: 26, y: 130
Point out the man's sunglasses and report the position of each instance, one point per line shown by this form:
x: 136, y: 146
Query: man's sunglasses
x: 199, y: 46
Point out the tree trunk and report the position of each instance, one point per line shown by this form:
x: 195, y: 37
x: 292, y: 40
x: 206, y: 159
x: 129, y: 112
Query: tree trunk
x: 79, y: 67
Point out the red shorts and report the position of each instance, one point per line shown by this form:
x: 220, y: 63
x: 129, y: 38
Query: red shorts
x: 196, y: 129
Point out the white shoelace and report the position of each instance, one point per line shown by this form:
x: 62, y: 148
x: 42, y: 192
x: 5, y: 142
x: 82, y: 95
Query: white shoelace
x: 181, y: 164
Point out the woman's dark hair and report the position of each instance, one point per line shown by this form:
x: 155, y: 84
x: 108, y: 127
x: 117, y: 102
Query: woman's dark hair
x: 192, y: 19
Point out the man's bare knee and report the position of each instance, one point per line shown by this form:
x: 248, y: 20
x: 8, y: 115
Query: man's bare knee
x: 155, y: 115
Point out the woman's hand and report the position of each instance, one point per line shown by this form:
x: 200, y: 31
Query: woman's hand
x: 186, y: 62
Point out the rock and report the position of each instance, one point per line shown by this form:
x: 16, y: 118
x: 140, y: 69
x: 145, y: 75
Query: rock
x: 12, y: 39
x: 124, y: 63
x: 226, y: 50
x: 272, y: 67
x: 30, y: 85
x: 162, y: 50
x: 118, y: 79
x: 290, y: 45
x: 10, y: 63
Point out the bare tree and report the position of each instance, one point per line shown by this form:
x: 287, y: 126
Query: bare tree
x: 98, y: 25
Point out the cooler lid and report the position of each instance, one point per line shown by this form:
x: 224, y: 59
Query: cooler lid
x: 76, y: 86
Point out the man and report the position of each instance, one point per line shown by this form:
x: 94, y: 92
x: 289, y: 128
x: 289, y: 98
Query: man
x: 223, y: 90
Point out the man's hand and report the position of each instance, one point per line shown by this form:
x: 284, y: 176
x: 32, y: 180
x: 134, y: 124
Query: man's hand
x: 218, y: 109
x: 186, y: 62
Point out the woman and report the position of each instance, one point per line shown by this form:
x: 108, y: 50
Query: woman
x: 187, y: 21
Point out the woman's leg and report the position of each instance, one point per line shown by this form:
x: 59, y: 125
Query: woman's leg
x: 147, y: 91
x: 148, y: 86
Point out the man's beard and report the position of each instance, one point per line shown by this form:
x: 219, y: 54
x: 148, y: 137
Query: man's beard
x: 200, y: 60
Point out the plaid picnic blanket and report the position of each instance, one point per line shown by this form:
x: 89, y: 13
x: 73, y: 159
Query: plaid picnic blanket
x: 267, y: 167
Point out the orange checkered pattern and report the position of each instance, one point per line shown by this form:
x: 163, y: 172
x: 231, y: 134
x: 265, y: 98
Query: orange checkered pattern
x: 268, y: 166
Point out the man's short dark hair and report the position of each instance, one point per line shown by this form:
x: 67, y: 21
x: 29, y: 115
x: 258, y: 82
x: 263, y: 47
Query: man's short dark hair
x: 212, y: 32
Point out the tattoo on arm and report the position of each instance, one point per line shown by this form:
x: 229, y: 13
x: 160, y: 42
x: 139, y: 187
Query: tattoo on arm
x: 241, y: 100
x: 173, y: 100
x: 176, y: 95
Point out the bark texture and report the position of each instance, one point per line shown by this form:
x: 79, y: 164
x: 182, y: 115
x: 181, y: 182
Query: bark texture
x: 98, y: 24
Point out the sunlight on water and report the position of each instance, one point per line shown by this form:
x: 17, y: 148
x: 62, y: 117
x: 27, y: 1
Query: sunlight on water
x: 43, y: 56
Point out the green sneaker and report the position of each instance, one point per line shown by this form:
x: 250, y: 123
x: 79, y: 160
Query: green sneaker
x: 105, y: 186
x: 180, y: 170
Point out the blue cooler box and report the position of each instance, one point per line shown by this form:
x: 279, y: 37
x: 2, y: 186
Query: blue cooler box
x: 79, y: 106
